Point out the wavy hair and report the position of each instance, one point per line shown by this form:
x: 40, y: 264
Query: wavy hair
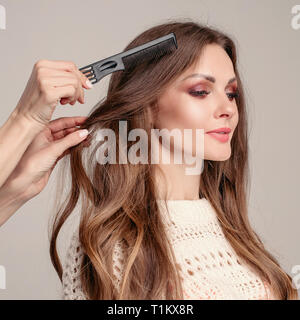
x: 118, y: 201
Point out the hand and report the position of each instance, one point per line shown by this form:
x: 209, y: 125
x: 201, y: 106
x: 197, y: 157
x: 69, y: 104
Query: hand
x: 33, y: 170
x: 51, y: 82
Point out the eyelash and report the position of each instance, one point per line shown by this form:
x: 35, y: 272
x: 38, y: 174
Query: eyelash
x: 200, y: 93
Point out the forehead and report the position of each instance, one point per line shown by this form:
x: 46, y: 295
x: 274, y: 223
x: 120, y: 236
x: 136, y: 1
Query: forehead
x: 213, y: 61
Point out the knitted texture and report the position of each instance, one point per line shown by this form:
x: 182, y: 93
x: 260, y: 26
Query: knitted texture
x: 209, y: 267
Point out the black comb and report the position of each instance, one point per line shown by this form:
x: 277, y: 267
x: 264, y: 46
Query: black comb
x: 121, y: 61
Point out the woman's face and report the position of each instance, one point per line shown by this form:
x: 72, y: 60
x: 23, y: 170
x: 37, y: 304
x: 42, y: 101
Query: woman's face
x: 195, y: 102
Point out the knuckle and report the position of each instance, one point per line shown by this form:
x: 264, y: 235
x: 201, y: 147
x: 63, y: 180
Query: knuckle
x: 39, y: 63
x: 39, y: 78
x: 75, y: 82
x: 42, y: 81
x: 40, y: 72
x: 49, y: 96
x: 73, y: 90
x: 72, y: 65
x: 42, y: 84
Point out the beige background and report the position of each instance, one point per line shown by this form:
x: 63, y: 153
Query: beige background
x: 87, y: 31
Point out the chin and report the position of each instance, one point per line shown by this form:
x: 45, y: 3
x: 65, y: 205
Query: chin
x: 218, y: 156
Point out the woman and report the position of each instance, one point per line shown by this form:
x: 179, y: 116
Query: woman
x: 149, y: 231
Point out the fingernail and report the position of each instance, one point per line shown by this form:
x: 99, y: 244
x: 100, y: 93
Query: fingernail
x: 89, y: 84
x: 83, y: 133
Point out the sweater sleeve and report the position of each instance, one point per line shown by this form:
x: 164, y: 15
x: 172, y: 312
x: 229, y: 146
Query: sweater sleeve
x: 72, y: 289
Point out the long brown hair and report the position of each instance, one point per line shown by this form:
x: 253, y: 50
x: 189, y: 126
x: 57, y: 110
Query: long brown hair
x: 118, y: 201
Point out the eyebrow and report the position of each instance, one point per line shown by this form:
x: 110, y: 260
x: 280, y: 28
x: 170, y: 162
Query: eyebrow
x: 207, y: 77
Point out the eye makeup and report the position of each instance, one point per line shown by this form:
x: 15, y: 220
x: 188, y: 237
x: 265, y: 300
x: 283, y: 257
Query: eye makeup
x: 201, y: 92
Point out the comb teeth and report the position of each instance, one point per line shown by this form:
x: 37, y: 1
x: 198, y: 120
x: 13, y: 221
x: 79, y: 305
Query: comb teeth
x: 148, y: 54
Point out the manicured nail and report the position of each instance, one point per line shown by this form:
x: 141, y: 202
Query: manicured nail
x: 89, y: 84
x: 83, y: 133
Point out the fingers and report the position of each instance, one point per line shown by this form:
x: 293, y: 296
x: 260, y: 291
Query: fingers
x: 64, y: 132
x: 48, y: 157
x: 65, y: 122
x: 67, y: 80
x: 66, y: 92
x: 61, y: 156
x: 62, y: 65
x: 85, y: 81
x: 64, y: 100
x: 58, y: 147
x: 69, y: 66
x: 61, y: 78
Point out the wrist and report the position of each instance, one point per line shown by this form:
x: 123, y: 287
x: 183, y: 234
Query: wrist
x: 10, y: 201
x: 16, y: 135
x: 17, y: 189
x: 28, y: 124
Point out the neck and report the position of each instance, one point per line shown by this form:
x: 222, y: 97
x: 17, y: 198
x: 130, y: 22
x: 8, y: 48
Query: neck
x: 173, y: 183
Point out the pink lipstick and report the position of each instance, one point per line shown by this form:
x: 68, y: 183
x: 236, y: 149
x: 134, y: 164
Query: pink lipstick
x: 221, y: 134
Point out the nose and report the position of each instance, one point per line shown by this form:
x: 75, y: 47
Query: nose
x: 225, y: 107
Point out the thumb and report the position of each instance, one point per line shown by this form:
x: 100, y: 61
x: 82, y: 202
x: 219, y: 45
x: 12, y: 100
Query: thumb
x: 72, y: 139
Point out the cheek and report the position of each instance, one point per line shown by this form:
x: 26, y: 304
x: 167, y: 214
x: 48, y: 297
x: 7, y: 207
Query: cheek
x: 183, y: 112
x: 195, y: 116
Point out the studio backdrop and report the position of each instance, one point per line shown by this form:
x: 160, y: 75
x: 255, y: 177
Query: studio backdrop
x: 267, y: 36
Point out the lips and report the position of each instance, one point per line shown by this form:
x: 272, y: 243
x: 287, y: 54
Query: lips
x: 222, y: 137
x: 220, y: 130
x: 221, y: 134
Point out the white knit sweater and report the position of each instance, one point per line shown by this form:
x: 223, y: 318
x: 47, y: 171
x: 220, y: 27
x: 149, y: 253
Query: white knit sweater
x: 208, y: 265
